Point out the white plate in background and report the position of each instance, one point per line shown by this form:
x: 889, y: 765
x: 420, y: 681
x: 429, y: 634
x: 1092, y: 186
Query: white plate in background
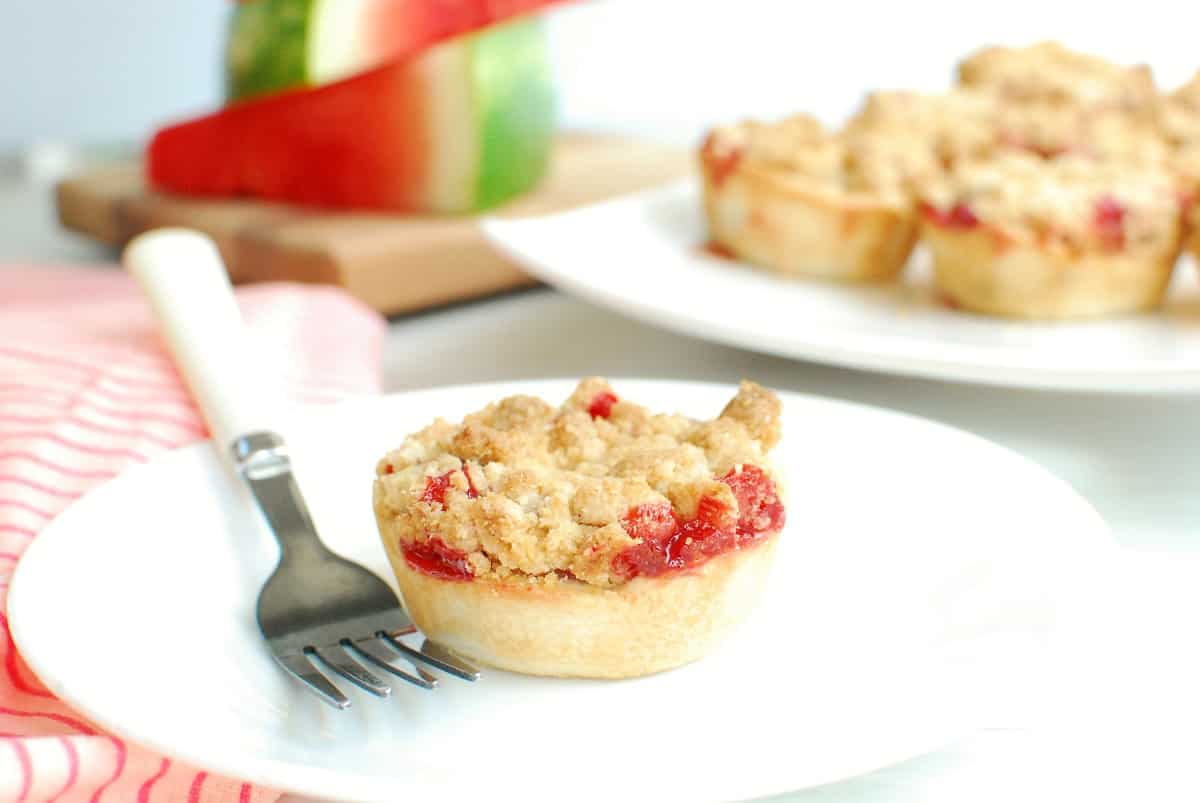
x: 642, y: 255
x: 922, y: 577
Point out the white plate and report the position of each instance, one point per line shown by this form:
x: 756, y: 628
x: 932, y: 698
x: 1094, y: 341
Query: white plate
x: 922, y: 570
x: 642, y: 256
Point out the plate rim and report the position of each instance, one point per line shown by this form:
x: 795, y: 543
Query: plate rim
x: 875, y: 357
x: 336, y: 784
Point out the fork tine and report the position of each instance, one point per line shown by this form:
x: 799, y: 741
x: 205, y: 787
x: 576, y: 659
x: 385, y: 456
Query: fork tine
x: 448, y: 660
x: 436, y: 656
x: 338, y: 659
x: 303, y: 670
x: 429, y: 677
x: 387, y: 660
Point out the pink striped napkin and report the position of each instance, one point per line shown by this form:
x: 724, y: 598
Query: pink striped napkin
x: 87, y: 390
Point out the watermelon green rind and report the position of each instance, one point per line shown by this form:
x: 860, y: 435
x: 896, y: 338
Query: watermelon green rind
x: 276, y: 45
x: 516, y: 109
x: 267, y: 47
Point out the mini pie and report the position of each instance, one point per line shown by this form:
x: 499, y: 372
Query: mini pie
x: 592, y: 540
x: 1067, y: 237
x: 794, y: 199
x: 1049, y: 72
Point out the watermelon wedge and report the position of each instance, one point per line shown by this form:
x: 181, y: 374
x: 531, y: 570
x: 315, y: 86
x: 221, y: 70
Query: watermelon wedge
x: 283, y: 44
x: 463, y: 127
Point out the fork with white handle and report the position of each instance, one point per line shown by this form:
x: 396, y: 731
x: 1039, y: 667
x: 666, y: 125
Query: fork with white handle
x: 323, y: 616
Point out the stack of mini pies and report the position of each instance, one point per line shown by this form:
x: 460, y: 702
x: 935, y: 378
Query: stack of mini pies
x: 1046, y: 184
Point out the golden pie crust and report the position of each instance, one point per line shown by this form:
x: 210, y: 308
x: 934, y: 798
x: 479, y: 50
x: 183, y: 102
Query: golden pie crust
x: 978, y: 272
x: 572, y: 629
x: 802, y: 203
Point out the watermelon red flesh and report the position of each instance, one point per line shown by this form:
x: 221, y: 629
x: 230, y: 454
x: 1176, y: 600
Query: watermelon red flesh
x: 401, y: 27
x: 352, y: 144
x: 283, y: 44
x: 467, y: 125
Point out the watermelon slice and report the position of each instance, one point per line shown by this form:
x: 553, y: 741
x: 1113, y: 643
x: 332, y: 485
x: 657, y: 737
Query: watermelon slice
x: 283, y: 44
x: 463, y: 127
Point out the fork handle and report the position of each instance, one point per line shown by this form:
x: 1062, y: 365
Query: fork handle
x: 182, y: 275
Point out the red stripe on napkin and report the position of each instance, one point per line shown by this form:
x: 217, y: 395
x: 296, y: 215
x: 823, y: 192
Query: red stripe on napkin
x: 86, y: 390
x: 72, y: 770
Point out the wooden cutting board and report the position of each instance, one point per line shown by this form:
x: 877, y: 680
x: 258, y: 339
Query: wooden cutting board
x: 394, y: 263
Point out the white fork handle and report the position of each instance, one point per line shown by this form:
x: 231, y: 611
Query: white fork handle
x: 182, y: 275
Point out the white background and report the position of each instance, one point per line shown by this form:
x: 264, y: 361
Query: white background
x: 111, y: 69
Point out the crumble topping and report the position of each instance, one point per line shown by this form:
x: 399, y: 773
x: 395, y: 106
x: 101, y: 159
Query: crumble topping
x: 953, y: 125
x: 892, y: 165
x: 1180, y: 112
x: 1188, y: 94
x: 523, y: 490
x: 1071, y: 199
x: 970, y: 123
x: 799, y: 145
x: 861, y: 163
x: 1055, y: 129
x: 1180, y: 126
x: 1180, y: 122
x: 1050, y: 72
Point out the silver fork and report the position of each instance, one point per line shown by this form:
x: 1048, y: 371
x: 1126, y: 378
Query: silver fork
x: 322, y: 616
x: 317, y: 605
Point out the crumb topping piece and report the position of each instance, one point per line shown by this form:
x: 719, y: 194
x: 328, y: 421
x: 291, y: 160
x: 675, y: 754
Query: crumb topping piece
x: 953, y: 125
x: 972, y: 123
x: 1052, y: 129
x: 1070, y: 199
x: 860, y: 165
x: 798, y: 145
x: 599, y: 490
x: 667, y: 541
x: 1050, y: 72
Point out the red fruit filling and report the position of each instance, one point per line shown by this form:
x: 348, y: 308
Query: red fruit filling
x: 958, y: 216
x: 435, y: 558
x: 722, y: 160
x: 1109, y: 219
x: 715, y: 249
x: 602, y: 404
x: 436, y: 487
x: 759, y: 507
x: 948, y: 302
x: 667, y: 542
x: 670, y: 543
